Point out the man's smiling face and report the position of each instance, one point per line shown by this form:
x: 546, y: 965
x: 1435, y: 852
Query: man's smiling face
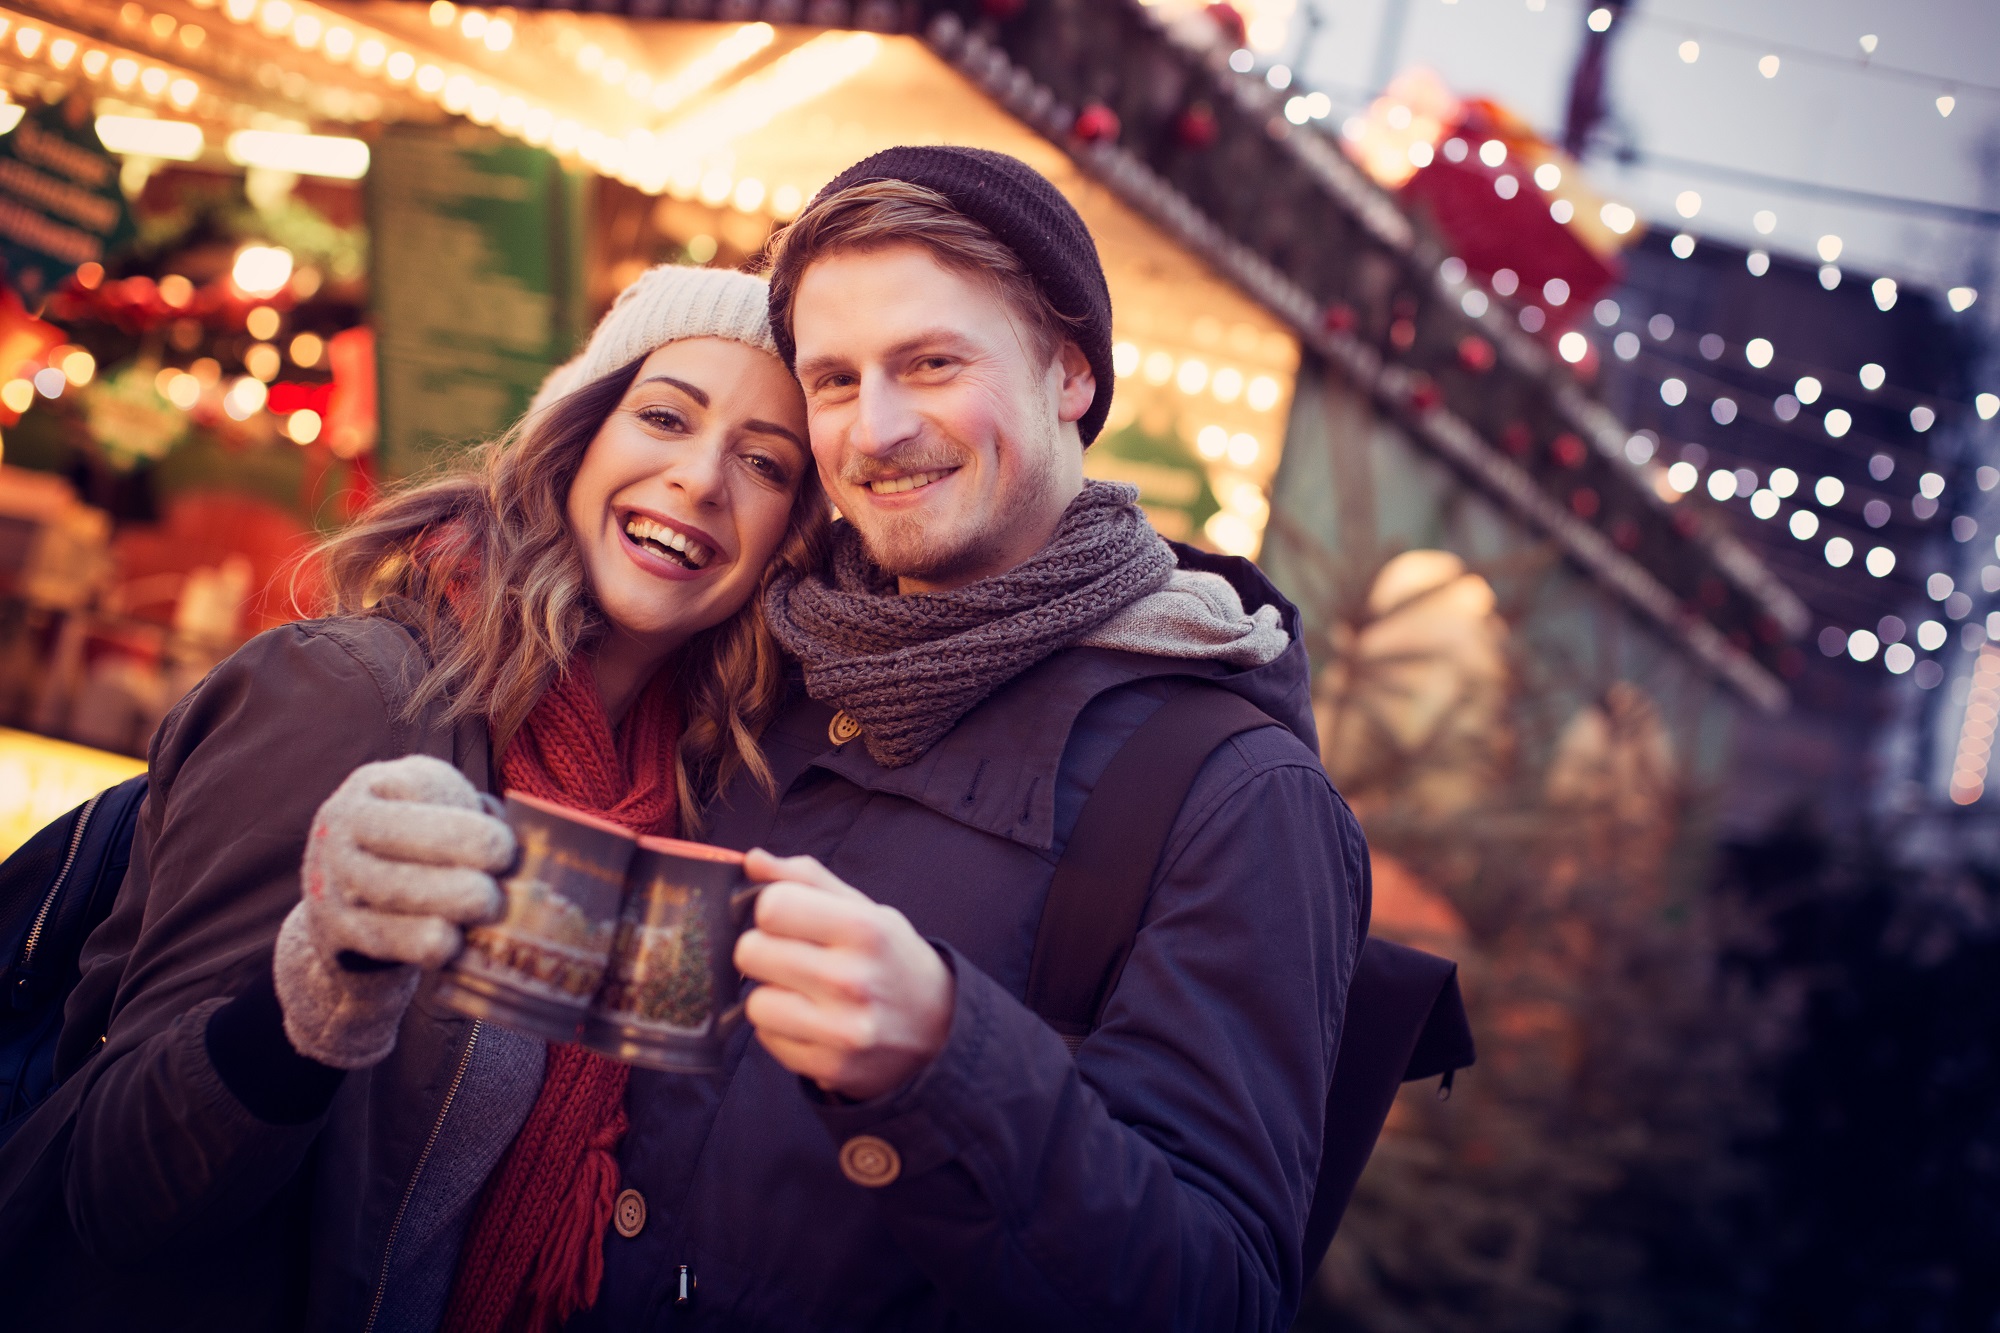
x: 941, y: 431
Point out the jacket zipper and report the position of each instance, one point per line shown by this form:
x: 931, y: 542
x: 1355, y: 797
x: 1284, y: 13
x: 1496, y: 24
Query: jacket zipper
x: 62, y: 877
x: 410, y: 1190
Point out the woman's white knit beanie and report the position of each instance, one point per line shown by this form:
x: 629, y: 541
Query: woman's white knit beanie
x: 663, y: 305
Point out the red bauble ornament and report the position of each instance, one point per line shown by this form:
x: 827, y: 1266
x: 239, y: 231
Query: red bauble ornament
x: 1002, y: 10
x: 1196, y: 127
x: 1096, y: 123
x: 1339, y: 318
x: 1475, y: 353
x: 1568, y: 450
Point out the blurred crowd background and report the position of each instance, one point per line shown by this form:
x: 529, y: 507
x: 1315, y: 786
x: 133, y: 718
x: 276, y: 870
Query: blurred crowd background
x: 1613, y: 386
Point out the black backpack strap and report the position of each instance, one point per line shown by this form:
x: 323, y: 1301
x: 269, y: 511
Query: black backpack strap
x: 1106, y: 872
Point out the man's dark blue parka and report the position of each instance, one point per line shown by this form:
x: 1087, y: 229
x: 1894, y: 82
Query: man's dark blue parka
x: 1158, y: 1180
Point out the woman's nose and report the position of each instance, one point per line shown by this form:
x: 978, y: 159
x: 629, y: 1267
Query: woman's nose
x: 697, y: 471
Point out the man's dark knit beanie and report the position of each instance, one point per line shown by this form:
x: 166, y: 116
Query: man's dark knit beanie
x: 1026, y: 214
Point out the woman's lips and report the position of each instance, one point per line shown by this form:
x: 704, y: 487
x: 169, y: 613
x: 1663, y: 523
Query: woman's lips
x: 661, y: 566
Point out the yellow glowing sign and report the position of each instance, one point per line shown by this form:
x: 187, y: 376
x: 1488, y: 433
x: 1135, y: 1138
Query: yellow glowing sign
x: 42, y: 778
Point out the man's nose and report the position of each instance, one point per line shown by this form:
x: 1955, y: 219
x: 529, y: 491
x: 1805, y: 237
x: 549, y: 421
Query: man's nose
x: 884, y: 417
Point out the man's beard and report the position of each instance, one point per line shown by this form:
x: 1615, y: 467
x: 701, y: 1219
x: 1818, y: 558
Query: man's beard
x: 914, y: 546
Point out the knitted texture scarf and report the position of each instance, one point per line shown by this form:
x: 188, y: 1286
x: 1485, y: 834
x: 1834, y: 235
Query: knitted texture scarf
x: 534, y: 1254
x: 908, y: 668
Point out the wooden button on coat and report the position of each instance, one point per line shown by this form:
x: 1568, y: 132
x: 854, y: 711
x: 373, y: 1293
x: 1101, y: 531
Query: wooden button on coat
x: 842, y: 729
x: 868, y: 1161
x: 628, y: 1214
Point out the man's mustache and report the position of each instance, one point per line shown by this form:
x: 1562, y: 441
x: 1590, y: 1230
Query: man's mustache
x: 862, y: 470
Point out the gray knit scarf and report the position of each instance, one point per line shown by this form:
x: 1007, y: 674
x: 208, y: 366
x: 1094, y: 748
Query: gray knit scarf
x: 908, y: 668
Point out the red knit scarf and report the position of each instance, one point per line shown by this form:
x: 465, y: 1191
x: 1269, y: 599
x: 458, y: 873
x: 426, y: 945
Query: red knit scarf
x: 534, y: 1254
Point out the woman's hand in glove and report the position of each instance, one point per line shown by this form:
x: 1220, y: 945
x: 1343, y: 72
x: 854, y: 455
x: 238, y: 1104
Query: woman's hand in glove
x: 399, y: 858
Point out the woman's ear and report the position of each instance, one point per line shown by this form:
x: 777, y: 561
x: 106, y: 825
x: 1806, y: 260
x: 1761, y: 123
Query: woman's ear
x: 1079, y: 383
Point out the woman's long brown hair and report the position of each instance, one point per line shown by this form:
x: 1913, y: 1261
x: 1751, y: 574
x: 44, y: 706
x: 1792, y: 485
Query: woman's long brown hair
x: 491, y: 576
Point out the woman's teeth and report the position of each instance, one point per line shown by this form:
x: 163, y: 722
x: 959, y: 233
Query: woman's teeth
x: 663, y: 540
x: 897, y: 485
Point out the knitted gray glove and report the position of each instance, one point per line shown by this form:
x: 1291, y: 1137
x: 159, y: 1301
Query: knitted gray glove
x: 399, y: 857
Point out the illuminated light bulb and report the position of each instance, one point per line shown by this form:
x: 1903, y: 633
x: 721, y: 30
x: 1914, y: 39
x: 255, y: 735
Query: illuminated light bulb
x: 144, y: 136
x: 124, y: 71
x: 1683, y: 246
x: 1421, y: 154
x: 183, y: 93
x: 1987, y: 405
x: 1192, y: 377
x: 1765, y: 221
x: 369, y: 53
x: 1690, y: 51
x: 261, y: 270
x: 1884, y: 291
x: 499, y: 35
x: 1621, y: 218
x: 49, y: 382
x: 786, y: 201
x: 245, y: 398
x: 154, y: 81
x: 1562, y: 210
x: 1158, y: 367
x: 1493, y: 152
x: 18, y: 395
x: 1784, y: 483
x: 1768, y: 67
x: 1764, y: 504
x: 430, y: 79
x: 339, y: 44
x: 1231, y: 533
x: 61, y: 51
x: 1839, y: 551
x: 400, y: 67
x: 1573, y: 347
x: 537, y: 125
x: 1683, y: 476
x: 262, y: 323
x: 79, y: 367
x: 1124, y: 359
x: 1722, y: 484
x: 483, y: 107
x: 799, y: 76
x: 1807, y: 390
x: 1673, y: 391
x: 472, y: 24
x: 275, y: 16
x: 1939, y: 586
x: 239, y: 11
x: 565, y: 135
x: 162, y: 25
x: 183, y: 390
x: 1945, y: 104
x: 1555, y: 291
x: 1960, y: 299
x: 262, y: 360
x: 306, y: 31
x: 176, y: 290
x: 1881, y: 562
x: 1263, y: 393
x: 28, y: 40
x: 715, y: 187
x: 332, y: 156
x: 1862, y: 645
x: 1930, y: 485
x: 443, y: 13
x: 1922, y: 418
x: 303, y: 425
x: 456, y: 95
x: 1227, y: 386
x: 701, y: 249
x: 1687, y: 203
x: 1211, y: 442
x: 94, y: 62
x: 1838, y: 422
x: 613, y: 71
x: 589, y: 57
x: 1639, y: 450
x: 1898, y: 658
x: 1280, y: 77
x: 1243, y: 449
x: 1828, y: 491
x: 1599, y: 20
x: 1626, y: 345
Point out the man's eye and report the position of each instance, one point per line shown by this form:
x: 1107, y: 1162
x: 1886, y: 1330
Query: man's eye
x: 830, y: 383
x: 933, y: 363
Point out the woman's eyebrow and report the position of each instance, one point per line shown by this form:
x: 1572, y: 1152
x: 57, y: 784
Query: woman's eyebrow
x: 686, y: 388
x: 773, y: 428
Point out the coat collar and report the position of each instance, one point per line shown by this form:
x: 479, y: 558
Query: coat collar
x: 996, y: 770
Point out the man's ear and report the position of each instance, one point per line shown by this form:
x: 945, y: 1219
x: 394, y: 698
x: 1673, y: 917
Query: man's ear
x: 1079, y: 383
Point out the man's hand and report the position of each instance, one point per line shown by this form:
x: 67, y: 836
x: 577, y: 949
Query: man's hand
x: 852, y: 997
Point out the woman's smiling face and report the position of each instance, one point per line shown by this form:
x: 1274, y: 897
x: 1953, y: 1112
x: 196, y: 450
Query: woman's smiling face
x: 684, y: 494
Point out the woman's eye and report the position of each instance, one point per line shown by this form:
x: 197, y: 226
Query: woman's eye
x: 663, y: 418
